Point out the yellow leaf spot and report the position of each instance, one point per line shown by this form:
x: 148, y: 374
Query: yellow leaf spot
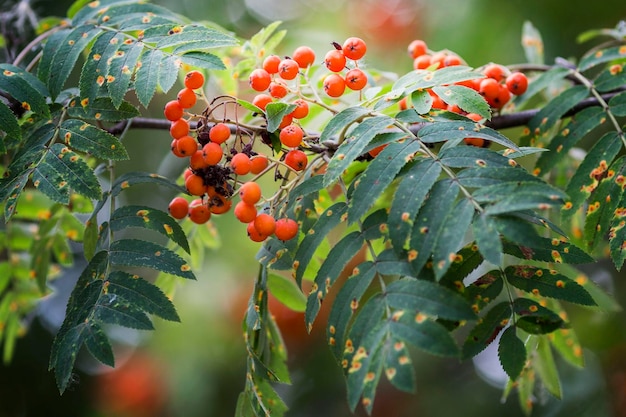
x: 168, y: 229
x: 100, y: 80
x: 390, y: 372
x: 397, y: 315
x: 398, y: 346
x: 71, y: 42
x: 8, y: 73
x: 26, y: 106
x: 420, y: 318
x: 157, y: 253
x: 96, y: 57
x: 404, y: 360
x: 110, y: 79
x: 98, y: 116
x: 124, y: 184
x: 560, y: 284
x: 535, y: 291
x: 412, y: 255
x: 331, y: 341
x: 185, y: 268
x: 369, y: 377
x: 62, y: 184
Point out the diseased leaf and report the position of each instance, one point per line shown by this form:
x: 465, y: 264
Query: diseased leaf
x: 203, y: 60
x: 133, y: 178
x: 489, y: 176
x: 8, y: 125
x: 601, y: 56
x: 456, y: 131
x: 341, y: 121
x: 547, y: 283
x: 98, y: 344
x: 484, y: 290
x: 88, y: 138
x: 617, y: 104
x: 522, y: 201
x: 102, y: 109
x: 511, y: 352
x: 11, y: 191
x: 114, y: 310
x: 24, y: 88
x: 424, y: 334
x: 487, y: 238
x: 535, y: 318
x: 121, y: 69
x: 532, y: 44
x: 141, y: 253
x: 96, y: 67
x: 487, y: 329
x: 74, y: 172
x: 451, y: 236
x: 181, y: 35
x: 466, y: 98
x: 617, y: 234
x: 275, y: 113
x: 471, y: 156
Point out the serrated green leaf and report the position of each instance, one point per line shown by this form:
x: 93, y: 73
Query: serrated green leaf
x: 52, y: 44
x: 456, y: 131
x: 512, y: 353
x: 180, y: 35
x: 121, y: 69
x: 203, y: 60
x: 133, y: 178
x: 423, y: 79
x: 547, y: 283
x: 604, y: 202
x: 421, y: 101
x: 483, y: 177
x: 365, y: 369
x: 168, y: 72
x: 327, y: 221
x: 486, y: 330
x: 149, y: 218
x: 567, y: 345
x: 543, y: 362
x: 617, y: 235
x: 397, y: 366
x: 534, y: 318
x: 378, y: 176
x: 275, y: 113
x: 424, y: 334
x: 484, y: 290
x: 580, y: 126
x: 286, y: 291
x: 67, y: 346
x: 102, y: 109
x: 8, y: 125
x: 408, y: 198
x: 51, y: 182
x: 487, y: 238
x: 25, y: 88
x: 88, y: 138
x: 428, y: 298
x: 430, y: 221
x: 341, y: 121
x: 98, y: 344
x: 366, y: 323
x: 147, y: 75
x: 522, y: 201
x: 336, y: 260
x: 451, y: 236
x: 471, y: 156
x: 96, y: 67
x: 74, y: 171
x: 141, y: 294
x: 141, y: 253
x: 466, y: 98
x: 601, y: 56
x: 11, y: 191
x: 617, y: 104
x: 498, y: 192
x: 532, y: 44
x: 609, y: 80
x: 111, y: 309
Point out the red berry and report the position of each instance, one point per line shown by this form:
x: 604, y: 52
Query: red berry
x: 262, y: 100
x: 302, y: 109
x: 304, y: 56
x: 179, y: 128
x: 250, y: 192
x: 199, y: 212
x: 335, y: 60
x: 195, y: 185
x: 291, y: 136
x: 417, y: 48
x: 422, y: 61
x: 258, y: 164
x: 212, y: 153
x: 286, y: 229
x: 517, y: 83
x: 254, y: 234
x: 244, y: 212
x: 178, y: 208
x: 186, y: 145
x: 288, y: 69
x: 296, y: 159
x: 260, y: 79
x: 240, y: 164
x: 356, y: 79
x: 495, y: 71
x: 265, y: 224
x: 187, y: 98
x: 278, y: 89
x: 173, y: 110
x: 354, y: 48
x: 194, y: 79
x: 219, y: 133
x: 270, y: 64
x: 334, y: 85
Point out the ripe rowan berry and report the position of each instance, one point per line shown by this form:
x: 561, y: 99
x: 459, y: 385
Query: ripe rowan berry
x: 452, y: 60
x: 258, y: 163
x: 260, y: 79
x: 296, y: 160
x: 356, y: 79
x: 288, y: 69
x: 254, y: 234
x: 262, y: 100
x: 438, y: 102
x: 187, y: 172
x: 186, y: 145
x: 302, y: 109
x: 374, y: 152
x: 503, y: 97
x: 417, y: 48
x: 517, y: 83
x: 219, y: 133
x: 199, y: 212
x: 265, y: 224
x: 240, y: 164
x: 304, y: 56
x: 291, y: 136
x: 179, y: 128
x: 244, y: 212
x: 270, y: 64
x: 195, y: 185
x: 219, y: 204
x: 286, y: 121
x: 354, y: 48
x: 335, y: 60
x: 478, y: 142
x: 286, y: 229
x: 474, y: 116
x: 178, y: 208
x: 489, y: 88
x: 437, y: 59
x: 454, y: 108
x: 173, y: 110
x: 212, y: 153
x: 334, y: 85
x: 250, y: 192
x: 194, y: 79
x: 187, y: 98
x: 278, y: 89
x: 422, y: 61
x: 495, y: 71
x: 196, y: 161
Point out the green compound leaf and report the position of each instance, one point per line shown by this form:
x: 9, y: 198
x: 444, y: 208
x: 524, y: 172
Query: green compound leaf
x: 25, y: 88
x: 141, y: 253
x: 428, y: 298
x: 601, y: 56
x: 378, y: 176
x: 149, y: 218
x: 9, y: 125
x: 466, y: 98
x: 547, y: 283
x: 338, y: 257
x: 133, y: 178
x: 354, y: 145
x: 580, y: 126
x: 121, y: 69
x: 512, y: 353
x: 102, y: 109
x: 141, y: 294
x: 536, y: 319
x: 588, y: 175
x: 327, y: 221
x: 88, y: 138
x: 147, y: 75
x: 408, y: 198
x: 487, y: 329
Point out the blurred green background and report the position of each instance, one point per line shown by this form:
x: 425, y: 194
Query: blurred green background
x: 197, y: 367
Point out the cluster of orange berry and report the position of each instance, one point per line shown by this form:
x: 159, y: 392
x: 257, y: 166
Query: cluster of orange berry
x: 209, y: 179
x: 497, y: 85
x: 336, y: 61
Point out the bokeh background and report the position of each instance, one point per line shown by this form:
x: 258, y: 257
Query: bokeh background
x: 196, y: 368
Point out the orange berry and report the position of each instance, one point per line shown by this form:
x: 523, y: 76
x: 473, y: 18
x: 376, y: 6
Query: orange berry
x: 260, y: 79
x: 422, y: 61
x: 374, y: 152
x: 179, y: 128
x: 438, y: 58
x: 194, y: 79
x: 265, y: 224
x: 286, y: 229
x: 296, y: 159
x: 254, y: 234
x: 417, y: 48
x: 304, y: 56
x: 187, y: 172
x: 503, y: 97
x: 489, y: 88
x: 212, y: 153
x: 474, y: 116
x: 354, y: 48
x: 270, y: 64
x: 187, y: 98
x: 278, y: 89
x: 240, y: 164
x: 173, y: 110
x: 250, y: 192
x: 244, y: 212
x: 335, y: 60
x: 262, y: 100
x: 258, y: 163
x: 186, y: 145
x: 219, y: 133
x: 517, y: 83
x: 438, y: 103
x: 291, y: 136
x: 302, y: 109
x: 178, y: 208
x: 356, y: 79
x: 454, y: 108
x: 334, y: 85
x: 195, y: 185
x: 452, y: 60
x: 478, y: 142
x: 495, y: 71
x: 196, y: 161
x: 286, y: 121
x: 199, y: 212
x: 219, y: 204
x: 288, y: 69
